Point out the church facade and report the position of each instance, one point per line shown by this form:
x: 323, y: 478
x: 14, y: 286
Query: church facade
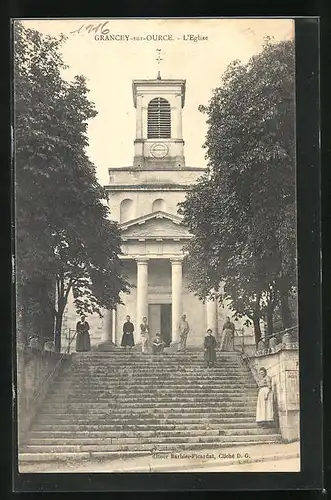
x: 144, y: 199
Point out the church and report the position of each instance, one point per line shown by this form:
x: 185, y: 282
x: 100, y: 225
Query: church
x: 144, y: 199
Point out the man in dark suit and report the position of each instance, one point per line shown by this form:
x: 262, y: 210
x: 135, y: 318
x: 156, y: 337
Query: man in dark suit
x: 127, y: 337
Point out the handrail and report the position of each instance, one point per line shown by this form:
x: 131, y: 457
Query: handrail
x: 36, y: 395
x: 276, y: 334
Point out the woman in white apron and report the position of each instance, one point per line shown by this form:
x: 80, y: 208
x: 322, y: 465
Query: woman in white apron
x: 144, y: 332
x: 265, y: 402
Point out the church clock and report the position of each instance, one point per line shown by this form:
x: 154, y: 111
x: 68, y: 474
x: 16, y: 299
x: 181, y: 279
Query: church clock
x: 159, y: 150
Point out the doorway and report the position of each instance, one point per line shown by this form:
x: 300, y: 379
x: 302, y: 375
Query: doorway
x: 166, y: 324
x: 159, y: 320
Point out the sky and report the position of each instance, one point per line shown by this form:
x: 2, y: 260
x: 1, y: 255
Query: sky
x: 111, y: 65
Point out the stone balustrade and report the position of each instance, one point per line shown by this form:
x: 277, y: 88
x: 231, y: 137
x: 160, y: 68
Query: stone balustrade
x: 35, y: 372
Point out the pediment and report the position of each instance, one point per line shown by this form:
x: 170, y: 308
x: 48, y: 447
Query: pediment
x: 155, y: 225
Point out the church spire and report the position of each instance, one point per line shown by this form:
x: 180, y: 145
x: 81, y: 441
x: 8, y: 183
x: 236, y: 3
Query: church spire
x: 158, y: 59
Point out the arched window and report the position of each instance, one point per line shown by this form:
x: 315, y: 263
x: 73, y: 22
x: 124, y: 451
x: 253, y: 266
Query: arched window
x: 159, y: 204
x: 126, y: 210
x: 159, y: 119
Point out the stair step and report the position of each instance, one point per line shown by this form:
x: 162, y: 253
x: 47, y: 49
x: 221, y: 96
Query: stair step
x: 159, y: 402
x: 141, y: 416
x: 64, y: 426
x: 136, y: 421
x: 138, y: 440
x: 171, y: 445
x: 181, y: 400
x: 58, y: 436
x: 149, y: 409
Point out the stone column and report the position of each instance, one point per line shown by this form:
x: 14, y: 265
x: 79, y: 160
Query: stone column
x: 179, y: 131
x: 107, y: 326
x: 142, y: 295
x: 139, y: 118
x: 176, y: 289
x: 211, y: 312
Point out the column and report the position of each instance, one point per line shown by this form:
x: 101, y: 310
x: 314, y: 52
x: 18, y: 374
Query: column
x: 139, y: 118
x: 179, y: 133
x: 211, y: 312
x: 142, y: 295
x: 113, y: 331
x: 107, y: 325
x: 176, y: 292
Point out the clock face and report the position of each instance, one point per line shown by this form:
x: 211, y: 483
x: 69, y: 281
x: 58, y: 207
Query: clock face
x: 159, y: 150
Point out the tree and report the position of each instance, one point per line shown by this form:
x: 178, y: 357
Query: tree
x: 65, y: 240
x: 242, y: 212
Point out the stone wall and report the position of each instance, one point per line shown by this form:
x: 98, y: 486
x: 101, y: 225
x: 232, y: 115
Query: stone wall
x: 282, y: 366
x: 35, y: 372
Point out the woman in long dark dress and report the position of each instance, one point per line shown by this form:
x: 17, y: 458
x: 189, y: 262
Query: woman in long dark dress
x: 83, y: 342
x: 210, y: 346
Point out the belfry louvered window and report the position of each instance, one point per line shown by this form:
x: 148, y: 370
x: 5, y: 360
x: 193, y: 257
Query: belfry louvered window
x: 159, y: 119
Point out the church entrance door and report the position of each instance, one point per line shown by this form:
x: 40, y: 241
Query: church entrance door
x: 166, y: 323
x: 159, y: 320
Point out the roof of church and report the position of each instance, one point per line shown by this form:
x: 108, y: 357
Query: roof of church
x: 153, y: 215
x: 155, y: 225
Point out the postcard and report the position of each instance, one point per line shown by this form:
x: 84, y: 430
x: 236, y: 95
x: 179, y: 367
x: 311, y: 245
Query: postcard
x: 156, y: 245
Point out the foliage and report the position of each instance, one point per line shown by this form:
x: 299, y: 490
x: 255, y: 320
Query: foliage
x: 63, y: 226
x: 242, y: 212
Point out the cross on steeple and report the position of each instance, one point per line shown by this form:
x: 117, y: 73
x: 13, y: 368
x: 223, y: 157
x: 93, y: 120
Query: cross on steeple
x: 158, y: 59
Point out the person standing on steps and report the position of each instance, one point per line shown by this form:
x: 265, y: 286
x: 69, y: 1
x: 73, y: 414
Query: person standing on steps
x: 144, y: 332
x: 265, y: 400
x: 83, y: 342
x: 184, y: 329
x: 210, y: 346
x: 127, y: 337
x: 227, y: 340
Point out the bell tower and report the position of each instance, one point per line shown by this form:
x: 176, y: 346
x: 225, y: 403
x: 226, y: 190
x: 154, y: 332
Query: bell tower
x: 159, y: 140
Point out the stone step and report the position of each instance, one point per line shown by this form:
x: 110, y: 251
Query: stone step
x: 157, y: 366
x: 99, y: 394
x: 138, y: 355
x: 156, y: 374
x: 156, y: 363
x: 141, y: 439
x: 53, y: 436
x: 181, y: 399
x: 156, y: 406
x: 136, y: 421
x: 196, y: 388
x: 153, y: 360
x: 161, y: 386
x: 195, y: 425
x: 159, y: 405
x: 125, y: 416
x: 107, y: 396
x: 163, y: 374
x: 110, y: 455
x: 167, y: 364
x: 161, y: 382
x: 213, y: 442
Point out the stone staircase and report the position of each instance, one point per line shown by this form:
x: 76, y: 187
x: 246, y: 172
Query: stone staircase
x: 118, y: 404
